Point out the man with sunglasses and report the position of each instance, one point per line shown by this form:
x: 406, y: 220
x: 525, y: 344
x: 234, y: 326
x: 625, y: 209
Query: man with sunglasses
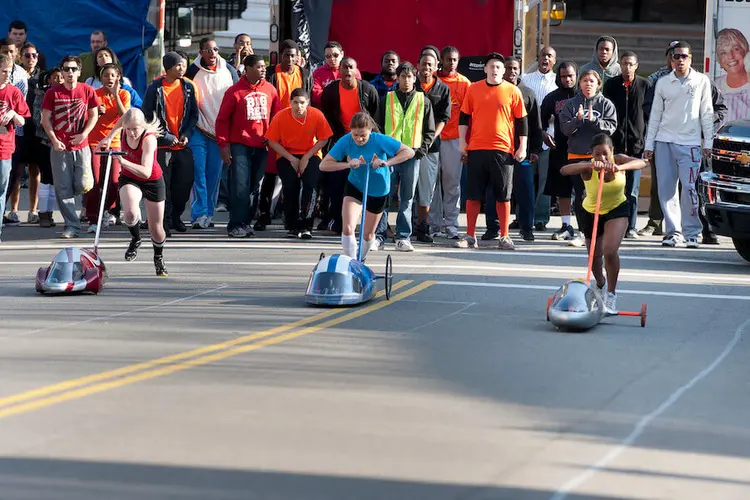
x: 681, y: 119
x: 329, y: 71
x: 69, y: 114
x: 212, y: 77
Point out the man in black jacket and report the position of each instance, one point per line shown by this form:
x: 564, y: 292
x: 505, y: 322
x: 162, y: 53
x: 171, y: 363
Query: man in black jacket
x: 439, y: 96
x: 174, y: 155
x: 558, y: 185
x: 405, y: 114
x: 628, y: 93
x: 523, y: 173
x: 334, y: 95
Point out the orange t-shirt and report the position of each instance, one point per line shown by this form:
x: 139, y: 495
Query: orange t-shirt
x: 350, y: 105
x: 174, y: 101
x: 108, y: 120
x: 493, y: 110
x: 427, y: 86
x: 458, y: 86
x: 296, y: 136
x: 286, y: 83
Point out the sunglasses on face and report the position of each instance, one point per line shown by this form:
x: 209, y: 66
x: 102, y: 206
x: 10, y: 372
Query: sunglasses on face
x: 29, y: 55
x: 677, y: 57
x: 70, y: 69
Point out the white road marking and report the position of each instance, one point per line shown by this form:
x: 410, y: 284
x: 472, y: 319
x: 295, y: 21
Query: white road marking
x: 117, y: 315
x: 335, y: 246
x: 640, y: 427
x: 619, y: 290
x: 687, y: 277
x: 443, y: 317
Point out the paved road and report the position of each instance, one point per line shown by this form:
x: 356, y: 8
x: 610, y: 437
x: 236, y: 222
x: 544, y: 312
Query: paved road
x: 219, y: 383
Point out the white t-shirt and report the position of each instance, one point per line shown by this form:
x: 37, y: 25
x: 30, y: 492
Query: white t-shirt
x: 737, y: 99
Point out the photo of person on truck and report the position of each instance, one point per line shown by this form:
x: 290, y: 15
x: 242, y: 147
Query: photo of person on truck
x: 731, y: 49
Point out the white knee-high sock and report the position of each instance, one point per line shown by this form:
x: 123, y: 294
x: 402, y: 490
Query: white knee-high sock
x: 366, y: 246
x: 349, y: 243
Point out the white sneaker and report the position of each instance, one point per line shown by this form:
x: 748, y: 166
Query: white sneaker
x: 111, y: 220
x: 33, y: 218
x: 577, y: 241
x: 674, y: 241
x: 610, y: 303
x: 467, y: 242
x: 376, y: 244
x: 404, y: 246
x: 239, y: 232
x: 201, y: 222
x: 13, y: 219
x: 91, y: 229
x: 692, y: 243
x: 220, y: 207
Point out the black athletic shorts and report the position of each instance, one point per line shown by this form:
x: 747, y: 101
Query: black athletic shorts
x: 489, y: 166
x: 586, y: 219
x: 154, y: 191
x: 375, y: 204
x: 558, y: 185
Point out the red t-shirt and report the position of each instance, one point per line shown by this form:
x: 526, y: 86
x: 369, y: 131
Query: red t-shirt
x: 10, y: 99
x: 135, y: 155
x: 70, y: 111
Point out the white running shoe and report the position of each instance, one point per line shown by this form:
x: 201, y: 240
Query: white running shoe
x: 610, y: 303
x: 404, y: 246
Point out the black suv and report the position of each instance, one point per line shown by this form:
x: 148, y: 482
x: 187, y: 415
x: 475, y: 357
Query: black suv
x: 725, y: 185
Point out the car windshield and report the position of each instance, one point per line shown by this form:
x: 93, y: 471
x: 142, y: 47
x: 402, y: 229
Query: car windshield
x: 333, y: 284
x: 576, y: 298
x: 65, y: 272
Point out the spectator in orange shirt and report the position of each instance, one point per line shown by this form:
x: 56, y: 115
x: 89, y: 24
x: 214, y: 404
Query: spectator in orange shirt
x: 446, y: 200
x: 497, y: 114
x: 286, y: 77
x: 114, y: 102
x: 297, y: 134
x: 173, y: 100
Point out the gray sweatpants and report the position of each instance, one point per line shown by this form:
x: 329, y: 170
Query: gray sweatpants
x: 678, y: 164
x: 446, y: 199
x: 68, y: 170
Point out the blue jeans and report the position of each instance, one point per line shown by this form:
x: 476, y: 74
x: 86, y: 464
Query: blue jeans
x: 408, y: 173
x: 632, y: 190
x: 247, y: 170
x: 207, y: 174
x: 523, y: 192
x: 542, y: 202
x: 5, y: 167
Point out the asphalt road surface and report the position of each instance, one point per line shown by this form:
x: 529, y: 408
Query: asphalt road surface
x: 218, y: 382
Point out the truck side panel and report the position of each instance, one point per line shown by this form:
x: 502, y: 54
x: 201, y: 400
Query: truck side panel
x: 367, y: 29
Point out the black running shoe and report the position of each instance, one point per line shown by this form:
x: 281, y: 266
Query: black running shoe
x: 161, y: 269
x: 132, y: 252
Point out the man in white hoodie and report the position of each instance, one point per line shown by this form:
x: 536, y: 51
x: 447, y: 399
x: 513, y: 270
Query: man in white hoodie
x: 681, y: 119
x: 212, y: 76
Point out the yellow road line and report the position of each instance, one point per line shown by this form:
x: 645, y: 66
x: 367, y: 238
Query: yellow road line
x: 167, y: 360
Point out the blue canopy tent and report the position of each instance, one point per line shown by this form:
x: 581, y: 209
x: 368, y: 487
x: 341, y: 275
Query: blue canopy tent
x: 61, y: 27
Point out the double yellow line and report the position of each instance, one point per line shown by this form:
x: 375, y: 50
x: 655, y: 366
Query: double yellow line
x: 100, y: 382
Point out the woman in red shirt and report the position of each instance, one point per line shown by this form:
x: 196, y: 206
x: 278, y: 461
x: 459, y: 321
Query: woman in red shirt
x: 141, y: 177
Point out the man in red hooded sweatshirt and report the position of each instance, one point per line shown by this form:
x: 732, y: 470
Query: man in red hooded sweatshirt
x: 244, y: 117
x: 329, y: 72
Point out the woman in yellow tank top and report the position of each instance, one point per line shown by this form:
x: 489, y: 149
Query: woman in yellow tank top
x: 613, y: 210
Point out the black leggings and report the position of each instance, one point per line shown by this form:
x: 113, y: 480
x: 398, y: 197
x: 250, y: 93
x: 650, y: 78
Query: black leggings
x: 291, y: 183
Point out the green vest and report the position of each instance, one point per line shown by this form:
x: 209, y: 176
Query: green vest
x: 405, y: 126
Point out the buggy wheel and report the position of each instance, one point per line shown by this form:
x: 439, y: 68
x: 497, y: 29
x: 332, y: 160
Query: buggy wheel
x: 388, y: 276
x: 643, y: 315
